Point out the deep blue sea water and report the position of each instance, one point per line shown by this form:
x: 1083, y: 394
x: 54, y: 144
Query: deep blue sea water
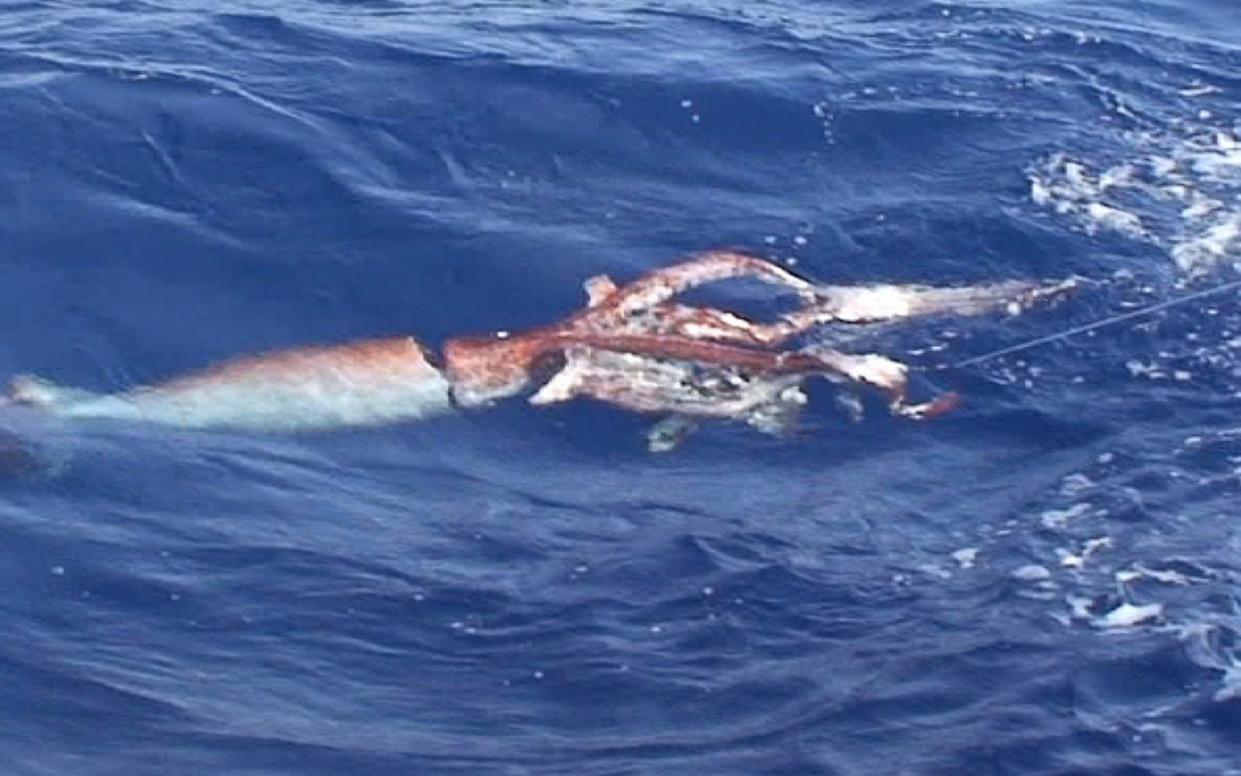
x: 1045, y: 582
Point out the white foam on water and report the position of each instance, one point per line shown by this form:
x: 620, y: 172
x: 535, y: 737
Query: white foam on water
x: 1076, y: 484
x: 1231, y: 681
x: 1077, y: 560
x: 1178, y: 191
x: 1031, y: 572
x: 1079, y: 607
x: 1163, y: 576
x: 1070, y: 188
x: 966, y: 557
x: 1128, y: 615
x: 1059, y: 518
x: 1217, y: 243
x: 1206, y: 644
x: 1087, y: 571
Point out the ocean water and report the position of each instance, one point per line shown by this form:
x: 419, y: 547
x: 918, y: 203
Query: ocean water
x: 1044, y: 582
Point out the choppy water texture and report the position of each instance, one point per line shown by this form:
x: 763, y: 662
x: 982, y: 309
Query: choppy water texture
x: 1044, y: 582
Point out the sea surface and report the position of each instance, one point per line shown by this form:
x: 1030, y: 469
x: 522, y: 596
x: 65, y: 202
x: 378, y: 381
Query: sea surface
x: 1047, y: 581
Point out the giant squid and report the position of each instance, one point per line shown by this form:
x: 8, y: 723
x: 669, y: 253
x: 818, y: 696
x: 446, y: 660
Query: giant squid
x: 638, y: 346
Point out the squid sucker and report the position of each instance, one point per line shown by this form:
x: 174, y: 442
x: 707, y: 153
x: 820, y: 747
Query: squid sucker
x: 635, y: 346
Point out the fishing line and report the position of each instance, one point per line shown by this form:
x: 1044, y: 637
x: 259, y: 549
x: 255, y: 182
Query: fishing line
x: 1034, y: 343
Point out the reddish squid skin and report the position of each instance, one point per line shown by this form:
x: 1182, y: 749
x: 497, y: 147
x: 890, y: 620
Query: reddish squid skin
x: 940, y: 406
x: 304, y: 389
x: 396, y: 379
